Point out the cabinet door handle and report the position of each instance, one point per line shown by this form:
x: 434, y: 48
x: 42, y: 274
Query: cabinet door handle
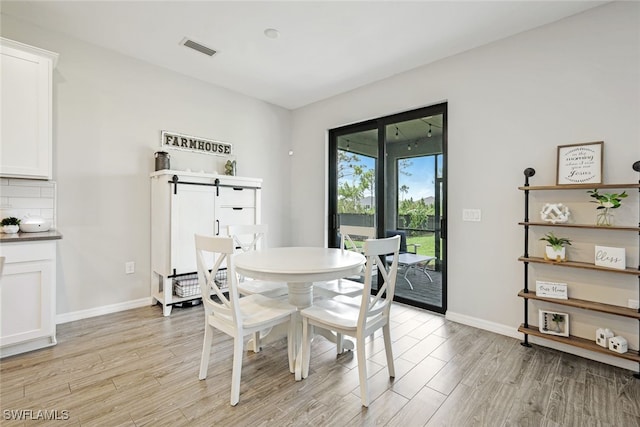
x: 217, y: 227
x: 238, y: 188
x: 237, y: 209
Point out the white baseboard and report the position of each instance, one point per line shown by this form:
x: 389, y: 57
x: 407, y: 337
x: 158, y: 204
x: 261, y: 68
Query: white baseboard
x: 511, y: 331
x: 498, y: 328
x: 105, y: 309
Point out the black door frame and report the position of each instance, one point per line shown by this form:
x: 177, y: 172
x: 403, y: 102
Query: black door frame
x: 380, y: 124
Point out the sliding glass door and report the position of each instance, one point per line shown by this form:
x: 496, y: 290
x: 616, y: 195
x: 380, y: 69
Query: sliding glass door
x: 353, y: 193
x: 390, y: 173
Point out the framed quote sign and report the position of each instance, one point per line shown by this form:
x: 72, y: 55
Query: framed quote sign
x: 580, y: 163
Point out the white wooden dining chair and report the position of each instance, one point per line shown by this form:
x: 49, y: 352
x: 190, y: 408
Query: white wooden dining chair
x: 339, y: 314
x: 235, y: 316
x: 346, y: 286
x: 250, y: 238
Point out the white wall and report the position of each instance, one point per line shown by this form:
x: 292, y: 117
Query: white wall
x: 109, y: 110
x: 510, y: 104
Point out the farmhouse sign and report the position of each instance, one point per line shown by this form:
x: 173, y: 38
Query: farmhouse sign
x: 179, y: 141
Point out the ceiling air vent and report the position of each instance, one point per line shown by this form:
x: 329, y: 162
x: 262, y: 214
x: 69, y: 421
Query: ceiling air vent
x: 197, y: 46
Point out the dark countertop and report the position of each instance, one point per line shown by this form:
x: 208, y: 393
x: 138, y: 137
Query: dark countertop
x: 29, y: 237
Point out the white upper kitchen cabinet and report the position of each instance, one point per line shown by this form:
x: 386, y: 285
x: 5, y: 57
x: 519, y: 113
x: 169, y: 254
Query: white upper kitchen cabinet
x: 26, y: 73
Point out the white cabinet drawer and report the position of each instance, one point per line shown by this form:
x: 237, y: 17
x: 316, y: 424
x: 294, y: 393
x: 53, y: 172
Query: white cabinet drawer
x: 237, y: 197
x: 28, y: 251
x: 234, y: 216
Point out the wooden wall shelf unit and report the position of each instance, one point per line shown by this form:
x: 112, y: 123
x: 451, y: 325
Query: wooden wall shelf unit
x: 580, y: 342
x: 584, y: 265
x: 527, y: 295
x: 593, y: 227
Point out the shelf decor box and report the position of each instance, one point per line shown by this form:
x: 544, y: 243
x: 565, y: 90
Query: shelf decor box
x: 618, y: 344
x: 603, y: 335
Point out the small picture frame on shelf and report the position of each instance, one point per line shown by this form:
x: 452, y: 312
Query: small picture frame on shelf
x: 610, y: 257
x: 551, y: 289
x: 580, y: 163
x: 553, y: 323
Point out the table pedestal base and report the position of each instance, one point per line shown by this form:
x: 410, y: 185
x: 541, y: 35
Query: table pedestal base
x: 300, y: 295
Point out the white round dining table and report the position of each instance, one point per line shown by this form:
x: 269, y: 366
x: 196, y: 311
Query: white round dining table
x: 299, y: 267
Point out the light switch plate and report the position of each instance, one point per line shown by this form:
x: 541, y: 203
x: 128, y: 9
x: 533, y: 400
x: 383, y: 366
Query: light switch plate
x: 129, y: 267
x: 471, y: 214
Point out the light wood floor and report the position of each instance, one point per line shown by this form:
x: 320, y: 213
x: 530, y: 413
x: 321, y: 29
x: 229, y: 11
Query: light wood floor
x: 139, y: 368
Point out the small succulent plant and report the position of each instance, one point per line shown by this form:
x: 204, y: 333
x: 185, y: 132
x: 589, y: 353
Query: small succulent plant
x: 556, y: 242
x: 12, y: 220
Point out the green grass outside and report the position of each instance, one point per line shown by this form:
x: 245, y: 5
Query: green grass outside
x: 427, y: 244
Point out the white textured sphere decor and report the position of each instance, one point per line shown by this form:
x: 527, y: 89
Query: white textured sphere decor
x: 555, y: 213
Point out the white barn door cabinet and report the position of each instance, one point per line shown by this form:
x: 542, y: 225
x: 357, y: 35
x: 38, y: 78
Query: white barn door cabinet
x: 186, y: 203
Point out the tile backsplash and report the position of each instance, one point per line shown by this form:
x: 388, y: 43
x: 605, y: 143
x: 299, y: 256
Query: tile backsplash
x: 19, y: 197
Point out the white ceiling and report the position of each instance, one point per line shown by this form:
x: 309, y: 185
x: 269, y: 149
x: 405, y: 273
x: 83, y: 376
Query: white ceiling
x: 325, y: 47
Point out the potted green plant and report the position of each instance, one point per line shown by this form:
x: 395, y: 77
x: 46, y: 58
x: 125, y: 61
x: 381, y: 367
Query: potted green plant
x: 555, y: 249
x: 10, y: 225
x: 606, y: 202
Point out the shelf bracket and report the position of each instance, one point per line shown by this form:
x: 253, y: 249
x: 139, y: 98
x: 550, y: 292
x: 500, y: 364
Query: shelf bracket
x: 528, y: 173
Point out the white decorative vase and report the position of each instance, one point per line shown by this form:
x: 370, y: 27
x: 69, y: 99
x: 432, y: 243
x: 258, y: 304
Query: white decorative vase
x: 10, y: 229
x: 551, y: 254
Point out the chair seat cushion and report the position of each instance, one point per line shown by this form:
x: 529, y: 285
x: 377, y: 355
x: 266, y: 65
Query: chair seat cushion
x: 333, y: 313
x: 257, y: 309
x: 339, y: 313
x: 251, y: 287
x: 339, y: 287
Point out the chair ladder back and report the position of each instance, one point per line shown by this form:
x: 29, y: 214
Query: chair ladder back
x: 376, y: 252
x: 348, y: 243
x: 221, y: 248
x: 347, y: 231
x: 246, y: 247
x: 258, y: 233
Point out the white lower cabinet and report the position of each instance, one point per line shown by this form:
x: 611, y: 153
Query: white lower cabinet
x: 27, y: 297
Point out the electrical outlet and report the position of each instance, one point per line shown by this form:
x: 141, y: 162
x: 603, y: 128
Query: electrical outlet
x: 471, y: 214
x: 634, y: 303
x: 129, y: 267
